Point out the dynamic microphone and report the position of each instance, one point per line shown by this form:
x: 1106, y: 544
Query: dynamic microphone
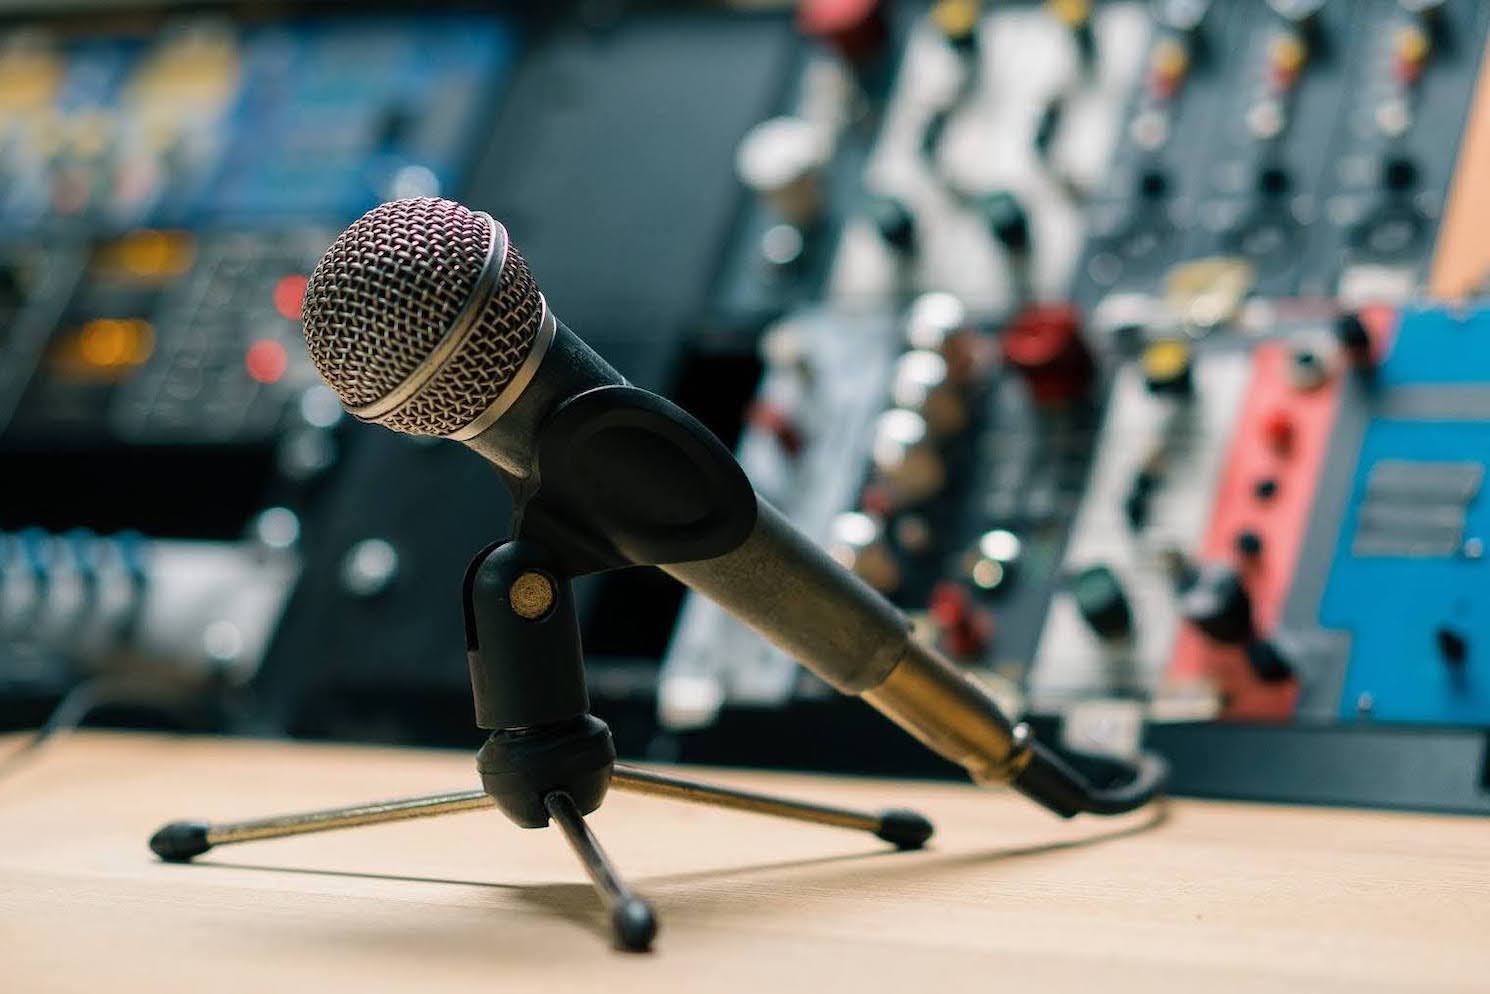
x: 424, y: 318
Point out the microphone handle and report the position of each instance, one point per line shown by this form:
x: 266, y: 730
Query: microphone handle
x: 569, y: 368
x: 786, y: 588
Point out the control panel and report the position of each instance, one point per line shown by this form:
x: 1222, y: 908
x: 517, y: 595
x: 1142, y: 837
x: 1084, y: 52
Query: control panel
x: 1135, y: 350
x: 166, y: 184
x: 183, y: 182
x: 1124, y: 379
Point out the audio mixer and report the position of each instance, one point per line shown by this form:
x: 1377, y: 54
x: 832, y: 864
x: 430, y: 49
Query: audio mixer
x: 1107, y: 380
x: 165, y: 187
x: 1137, y: 350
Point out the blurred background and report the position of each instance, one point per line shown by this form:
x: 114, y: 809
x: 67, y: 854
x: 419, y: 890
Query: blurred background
x: 1131, y: 347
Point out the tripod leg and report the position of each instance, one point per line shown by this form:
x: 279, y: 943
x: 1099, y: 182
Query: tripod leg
x: 633, y: 922
x: 904, y: 829
x: 179, y: 841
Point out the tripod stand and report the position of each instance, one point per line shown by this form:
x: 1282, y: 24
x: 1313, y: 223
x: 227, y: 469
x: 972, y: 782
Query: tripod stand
x: 547, y: 759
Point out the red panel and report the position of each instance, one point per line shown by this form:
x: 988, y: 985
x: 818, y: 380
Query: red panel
x: 1283, y: 434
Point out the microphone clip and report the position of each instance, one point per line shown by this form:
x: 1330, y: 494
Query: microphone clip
x: 622, y: 477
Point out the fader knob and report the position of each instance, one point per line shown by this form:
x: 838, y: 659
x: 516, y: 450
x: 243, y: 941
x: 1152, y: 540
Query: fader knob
x: 1167, y: 367
x: 1267, y: 663
x: 1044, y: 343
x: 1010, y: 225
x: 1248, y: 544
x: 1412, y: 44
x: 1422, y: 8
x: 1007, y: 221
x: 1399, y: 174
x: 782, y: 160
x: 1296, y: 11
x: 1076, y: 15
x: 11, y: 292
x: 777, y: 421
x: 1218, y: 604
x: 920, y: 384
x: 1049, y: 125
x: 855, y: 29
x: 894, y: 222
x: 1152, y: 184
x: 906, y: 459
x: 1307, y: 369
x: 781, y: 248
x: 1273, y: 181
x: 1353, y: 338
x: 1279, y: 432
x: 1453, y: 646
x: 1288, y: 54
x: 1101, y: 601
x: 1137, y: 504
x: 957, y: 20
x: 934, y: 318
x: 1169, y: 63
x: 966, y: 628
x: 858, y: 543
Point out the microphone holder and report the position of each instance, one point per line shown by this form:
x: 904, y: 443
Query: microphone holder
x: 547, y: 759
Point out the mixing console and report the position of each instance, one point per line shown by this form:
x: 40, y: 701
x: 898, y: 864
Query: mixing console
x: 165, y: 187
x: 1107, y: 387
x: 184, y: 182
x: 1135, y: 350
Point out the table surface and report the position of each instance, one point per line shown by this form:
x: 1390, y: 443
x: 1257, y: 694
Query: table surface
x: 1209, y: 896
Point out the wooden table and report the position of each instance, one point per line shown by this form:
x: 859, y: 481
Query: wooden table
x: 1214, y: 898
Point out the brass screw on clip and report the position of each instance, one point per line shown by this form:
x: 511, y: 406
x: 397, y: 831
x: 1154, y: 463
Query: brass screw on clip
x: 531, y: 595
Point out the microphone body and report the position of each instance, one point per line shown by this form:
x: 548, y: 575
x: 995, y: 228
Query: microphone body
x: 424, y: 319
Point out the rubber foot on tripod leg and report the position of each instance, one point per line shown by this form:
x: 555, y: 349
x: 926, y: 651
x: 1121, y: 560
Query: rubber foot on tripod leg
x: 179, y: 841
x: 635, y: 925
x: 904, y: 829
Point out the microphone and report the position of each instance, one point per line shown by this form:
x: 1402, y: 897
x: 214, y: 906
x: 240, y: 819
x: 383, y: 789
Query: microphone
x: 424, y: 318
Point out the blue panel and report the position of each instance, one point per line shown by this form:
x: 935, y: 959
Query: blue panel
x: 1437, y: 346
x: 94, y: 75
x: 332, y: 110
x: 325, y: 114
x: 1393, y: 605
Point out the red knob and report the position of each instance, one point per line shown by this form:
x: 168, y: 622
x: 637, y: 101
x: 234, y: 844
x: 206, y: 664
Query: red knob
x: 1278, y: 430
x: 1044, y: 343
x: 775, y: 421
x: 966, y: 628
x: 856, y: 29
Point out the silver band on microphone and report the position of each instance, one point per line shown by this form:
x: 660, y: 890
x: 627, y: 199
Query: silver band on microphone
x: 547, y: 328
x: 455, y: 337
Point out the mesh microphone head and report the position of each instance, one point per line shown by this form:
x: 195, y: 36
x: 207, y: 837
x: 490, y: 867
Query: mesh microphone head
x: 421, y: 315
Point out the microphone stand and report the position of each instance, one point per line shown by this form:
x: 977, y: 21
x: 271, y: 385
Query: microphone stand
x: 617, y: 477
x: 547, y: 759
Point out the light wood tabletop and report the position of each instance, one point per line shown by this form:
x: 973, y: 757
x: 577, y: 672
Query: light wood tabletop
x: 1212, y: 897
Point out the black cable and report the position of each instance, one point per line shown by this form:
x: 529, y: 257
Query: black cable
x: 68, y: 715
x: 1150, y: 774
x: 1055, y: 783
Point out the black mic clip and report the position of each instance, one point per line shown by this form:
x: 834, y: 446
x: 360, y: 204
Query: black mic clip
x: 622, y: 477
x: 528, y: 682
x: 618, y: 477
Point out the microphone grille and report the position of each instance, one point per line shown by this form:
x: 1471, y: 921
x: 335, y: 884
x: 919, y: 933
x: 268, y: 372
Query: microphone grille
x: 472, y: 379
x: 386, y: 293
